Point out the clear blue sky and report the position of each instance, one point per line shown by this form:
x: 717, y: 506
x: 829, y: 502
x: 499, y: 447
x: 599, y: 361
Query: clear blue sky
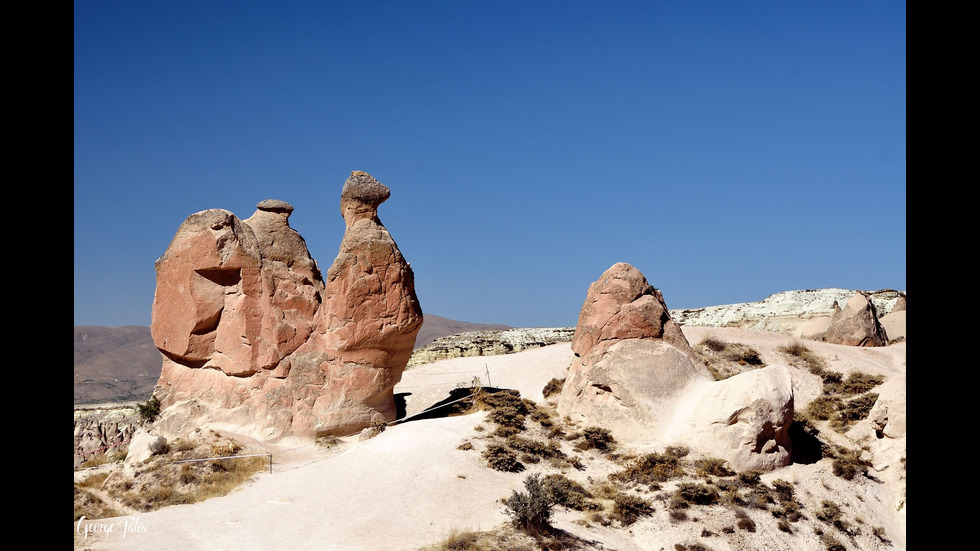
x: 729, y: 150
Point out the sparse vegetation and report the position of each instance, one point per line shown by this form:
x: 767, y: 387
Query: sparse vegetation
x: 161, y: 482
x: 553, y: 387
x: 501, y: 458
x: 149, y: 410
x: 848, y: 464
x: 856, y: 383
x: 726, y: 359
x: 628, y: 508
x: 652, y: 469
x: 531, y: 511
x: 802, y: 356
x: 596, y: 438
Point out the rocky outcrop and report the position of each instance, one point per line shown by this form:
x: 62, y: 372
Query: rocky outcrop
x: 856, y: 324
x: 894, y: 322
x: 103, y: 430
x: 489, y: 343
x: 631, y: 359
x: 744, y: 419
x: 252, y: 335
x: 633, y: 374
x: 804, y: 314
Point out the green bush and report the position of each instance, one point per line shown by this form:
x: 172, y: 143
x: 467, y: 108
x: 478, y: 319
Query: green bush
x: 150, y: 409
x: 568, y: 493
x: 531, y: 511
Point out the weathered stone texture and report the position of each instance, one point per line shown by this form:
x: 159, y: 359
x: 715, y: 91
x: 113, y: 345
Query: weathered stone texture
x: 252, y: 334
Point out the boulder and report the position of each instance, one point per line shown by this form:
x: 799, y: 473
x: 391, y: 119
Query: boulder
x: 894, y: 322
x: 632, y: 389
x: 620, y: 305
x: 631, y: 359
x: 633, y: 374
x: 744, y: 419
x: 856, y: 324
x: 252, y: 335
x: 143, y: 446
x: 887, y: 416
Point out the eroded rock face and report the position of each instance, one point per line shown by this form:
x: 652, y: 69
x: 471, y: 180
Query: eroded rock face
x: 631, y: 359
x: 856, y: 324
x: 744, y: 419
x: 620, y: 305
x: 252, y: 335
x: 634, y: 375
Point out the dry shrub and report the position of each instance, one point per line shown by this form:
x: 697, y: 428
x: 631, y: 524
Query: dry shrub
x: 712, y: 466
x: 501, y: 458
x: 804, y: 357
x: 651, y: 469
x: 553, y: 387
x: 568, y: 493
x: 596, y: 438
x: 91, y: 506
x: 628, y: 508
x: 688, y: 494
x: 724, y: 359
x: 535, y: 448
x: 743, y: 521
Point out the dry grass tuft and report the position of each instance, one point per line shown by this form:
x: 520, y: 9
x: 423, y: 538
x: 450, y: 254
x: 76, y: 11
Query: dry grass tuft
x: 801, y: 356
x: 161, y: 481
x: 725, y: 359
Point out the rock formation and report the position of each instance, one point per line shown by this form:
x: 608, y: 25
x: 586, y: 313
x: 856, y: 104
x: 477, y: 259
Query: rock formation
x: 633, y: 374
x: 489, y: 343
x: 804, y: 314
x: 631, y: 359
x: 856, y: 324
x: 103, y: 429
x: 252, y: 335
x: 894, y: 322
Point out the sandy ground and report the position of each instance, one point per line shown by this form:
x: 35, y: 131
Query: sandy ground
x: 410, y: 487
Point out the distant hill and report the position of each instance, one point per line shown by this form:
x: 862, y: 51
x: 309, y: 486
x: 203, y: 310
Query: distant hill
x: 114, y: 364
x: 434, y: 327
x: 118, y: 364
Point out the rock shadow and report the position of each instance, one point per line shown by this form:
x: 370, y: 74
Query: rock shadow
x: 807, y: 448
x: 459, y: 402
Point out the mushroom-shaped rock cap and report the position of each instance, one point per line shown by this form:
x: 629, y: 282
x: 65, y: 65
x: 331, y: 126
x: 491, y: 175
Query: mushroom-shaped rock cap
x: 362, y: 187
x: 275, y: 205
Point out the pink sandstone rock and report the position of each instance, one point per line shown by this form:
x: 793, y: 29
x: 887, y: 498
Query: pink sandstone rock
x: 621, y: 304
x: 631, y: 358
x: 633, y: 374
x: 252, y: 336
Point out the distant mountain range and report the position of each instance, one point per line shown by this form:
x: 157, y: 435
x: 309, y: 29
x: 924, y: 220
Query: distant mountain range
x: 119, y: 364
